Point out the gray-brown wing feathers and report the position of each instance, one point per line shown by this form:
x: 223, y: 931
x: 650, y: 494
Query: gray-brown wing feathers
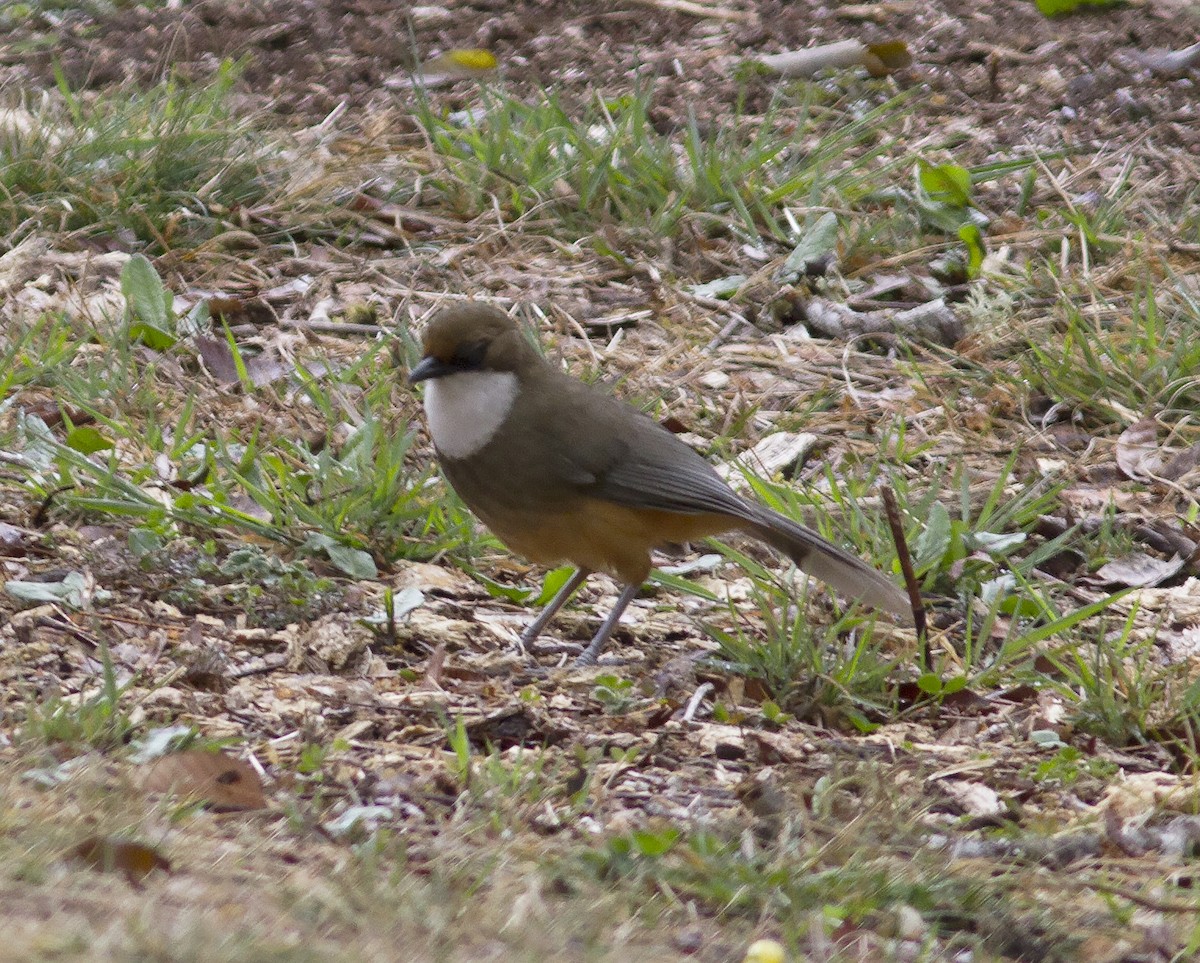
x: 638, y: 463
x: 685, y: 483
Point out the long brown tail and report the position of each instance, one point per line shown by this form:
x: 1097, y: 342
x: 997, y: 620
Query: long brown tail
x: 815, y: 556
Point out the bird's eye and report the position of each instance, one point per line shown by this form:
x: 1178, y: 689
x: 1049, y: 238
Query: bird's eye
x: 470, y: 356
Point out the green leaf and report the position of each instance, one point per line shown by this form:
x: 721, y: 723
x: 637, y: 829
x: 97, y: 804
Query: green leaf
x: 517, y: 594
x: 1046, y: 738
x: 620, y: 845
x: 613, y: 683
x: 996, y: 543
x: 147, y: 300
x: 954, y: 684
x: 353, y: 561
x: 88, y: 440
x: 1067, y: 622
x: 723, y: 288
x: 70, y: 591
x: 972, y: 237
x: 818, y: 241
x: 151, y: 337
x: 860, y: 721
x: 142, y: 541
x: 934, y: 541
x: 1056, y: 8
x: 554, y: 581
x: 197, y: 321
x: 654, y: 843
x: 1020, y: 607
x: 946, y: 183
x: 930, y: 683
x: 239, y: 363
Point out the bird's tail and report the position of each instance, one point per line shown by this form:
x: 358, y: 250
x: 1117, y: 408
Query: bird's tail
x: 835, y: 567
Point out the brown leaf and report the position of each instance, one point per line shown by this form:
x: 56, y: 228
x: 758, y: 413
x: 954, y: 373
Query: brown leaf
x: 235, y: 311
x: 223, y: 783
x: 1138, y: 454
x: 260, y: 369
x: 135, y: 861
x: 218, y: 359
x: 1181, y: 463
x: 14, y: 542
x: 433, y: 669
x: 1139, y: 569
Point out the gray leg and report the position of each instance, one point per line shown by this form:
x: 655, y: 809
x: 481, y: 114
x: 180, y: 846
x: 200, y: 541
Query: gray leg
x: 560, y: 599
x: 592, y: 652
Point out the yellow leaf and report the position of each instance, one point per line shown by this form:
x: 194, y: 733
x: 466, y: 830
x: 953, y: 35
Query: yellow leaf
x: 457, y: 65
x: 472, y: 59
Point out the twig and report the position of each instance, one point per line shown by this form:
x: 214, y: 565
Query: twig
x: 63, y: 625
x: 695, y: 700
x: 906, y: 568
x: 261, y: 666
x: 696, y: 9
x: 433, y: 669
x: 335, y: 327
x: 1147, y: 902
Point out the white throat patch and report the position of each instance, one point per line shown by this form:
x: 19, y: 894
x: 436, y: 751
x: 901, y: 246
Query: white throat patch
x: 466, y: 409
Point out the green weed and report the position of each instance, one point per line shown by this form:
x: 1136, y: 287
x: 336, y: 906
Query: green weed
x: 164, y: 165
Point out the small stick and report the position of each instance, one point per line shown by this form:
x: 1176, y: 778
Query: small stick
x: 694, y: 702
x: 433, y: 669
x: 696, y: 9
x: 906, y: 568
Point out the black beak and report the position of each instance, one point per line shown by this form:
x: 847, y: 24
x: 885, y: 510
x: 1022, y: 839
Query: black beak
x: 429, y: 367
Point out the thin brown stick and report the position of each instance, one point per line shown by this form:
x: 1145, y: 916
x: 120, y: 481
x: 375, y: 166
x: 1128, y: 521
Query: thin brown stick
x: 906, y: 568
x: 1126, y: 892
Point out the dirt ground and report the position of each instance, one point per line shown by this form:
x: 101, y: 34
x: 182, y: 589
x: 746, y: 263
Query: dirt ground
x: 1004, y: 79
x: 1000, y: 73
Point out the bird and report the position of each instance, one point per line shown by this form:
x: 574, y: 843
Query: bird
x: 561, y: 471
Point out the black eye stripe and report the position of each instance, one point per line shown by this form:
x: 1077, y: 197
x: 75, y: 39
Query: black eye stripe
x: 470, y: 356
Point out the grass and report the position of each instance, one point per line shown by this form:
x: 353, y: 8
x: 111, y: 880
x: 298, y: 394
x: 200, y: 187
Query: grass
x: 349, y: 502
x: 851, y: 858
x: 571, y: 168
x: 816, y: 792
x: 165, y: 167
x: 93, y: 721
x: 1134, y: 355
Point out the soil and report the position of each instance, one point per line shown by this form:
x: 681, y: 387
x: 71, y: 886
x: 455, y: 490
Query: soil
x: 1002, y: 73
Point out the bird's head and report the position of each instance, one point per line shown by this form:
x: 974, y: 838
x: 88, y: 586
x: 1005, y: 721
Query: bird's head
x: 472, y: 337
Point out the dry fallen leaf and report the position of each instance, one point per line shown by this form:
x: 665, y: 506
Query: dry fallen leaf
x: 1138, y: 569
x: 1138, y: 453
x: 458, y: 64
x: 975, y: 798
x: 1170, y: 63
x: 14, y: 542
x: 260, y: 369
x: 135, y: 861
x: 221, y: 782
x: 879, y: 59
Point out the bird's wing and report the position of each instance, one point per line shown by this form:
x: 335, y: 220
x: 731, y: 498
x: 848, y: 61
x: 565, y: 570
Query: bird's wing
x: 684, y: 483
x: 607, y: 449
